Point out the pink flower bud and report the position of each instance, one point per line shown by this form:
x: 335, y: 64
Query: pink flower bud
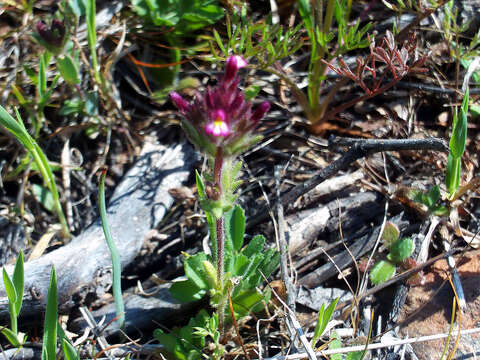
x: 54, y: 35
x: 180, y: 102
x: 234, y: 63
x: 260, y: 112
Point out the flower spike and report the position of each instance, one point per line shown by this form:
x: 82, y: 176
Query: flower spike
x: 220, y: 119
x: 54, y: 37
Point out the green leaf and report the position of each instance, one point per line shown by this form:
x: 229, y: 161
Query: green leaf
x: 324, y: 316
x: 452, y: 177
x: 9, y: 288
x: 167, y: 340
x: 114, y: 254
x: 439, y: 210
x: 354, y: 355
x: 44, y: 197
x: 91, y: 103
x: 251, y: 92
x: 51, y: 320
x: 243, y: 303
x: 186, y: 291
x: 69, y: 351
x: 433, y: 195
x: 18, y: 282
x: 68, y: 348
x: 72, y: 106
x: 459, y: 133
x: 390, y: 234
x: 219, y: 41
x: 306, y: 14
x: 77, y: 7
x: 240, y: 265
x: 11, y: 337
x: 211, y: 274
x: 68, y: 68
x: 381, y: 272
x: 270, y: 262
x: 400, y: 250
x: 235, y: 225
x: 42, y: 81
x: 200, y: 186
x: 255, y: 246
x: 195, y: 271
x: 17, y: 128
x: 335, y: 343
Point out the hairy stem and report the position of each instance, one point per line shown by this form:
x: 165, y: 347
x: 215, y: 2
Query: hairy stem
x: 220, y: 227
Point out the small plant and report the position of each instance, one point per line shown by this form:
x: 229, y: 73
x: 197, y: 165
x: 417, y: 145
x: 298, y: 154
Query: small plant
x: 336, y: 343
x: 269, y: 44
x: 323, y: 49
x: 399, y: 251
x: 49, y: 348
x: 244, y: 267
x: 429, y: 199
x: 14, y: 288
x: 17, y: 128
x: 188, y: 342
x: 116, y: 265
x: 324, y: 316
x: 221, y: 123
x: 399, y: 62
x: 457, y: 148
x: 52, y: 331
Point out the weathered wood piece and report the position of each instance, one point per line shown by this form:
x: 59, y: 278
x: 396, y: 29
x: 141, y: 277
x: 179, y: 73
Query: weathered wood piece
x: 139, y: 203
x: 141, y: 312
x: 359, y: 248
x: 305, y: 227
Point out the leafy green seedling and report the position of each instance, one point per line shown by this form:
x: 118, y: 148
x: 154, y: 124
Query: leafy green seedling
x: 429, y: 199
x: 188, y: 341
x: 457, y: 147
x: 336, y: 343
x: 324, y: 316
x: 244, y: 269
x: 399, y: 250
x: 14, y: 288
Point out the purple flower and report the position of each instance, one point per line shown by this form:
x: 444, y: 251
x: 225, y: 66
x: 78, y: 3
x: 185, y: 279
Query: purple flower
x: 221, y: 117
x: 52, y: 38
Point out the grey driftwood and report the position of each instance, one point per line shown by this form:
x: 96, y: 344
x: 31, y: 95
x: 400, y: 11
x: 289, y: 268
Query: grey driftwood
x: 139, y: 202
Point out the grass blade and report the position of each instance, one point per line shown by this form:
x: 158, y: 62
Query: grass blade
x: 11, y: 337
x: 90, y: 10
x: 117, y: 269
x: 12, y: 299
x: 49, y: 349
x: 18, y: 282
x: 69, y: 351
